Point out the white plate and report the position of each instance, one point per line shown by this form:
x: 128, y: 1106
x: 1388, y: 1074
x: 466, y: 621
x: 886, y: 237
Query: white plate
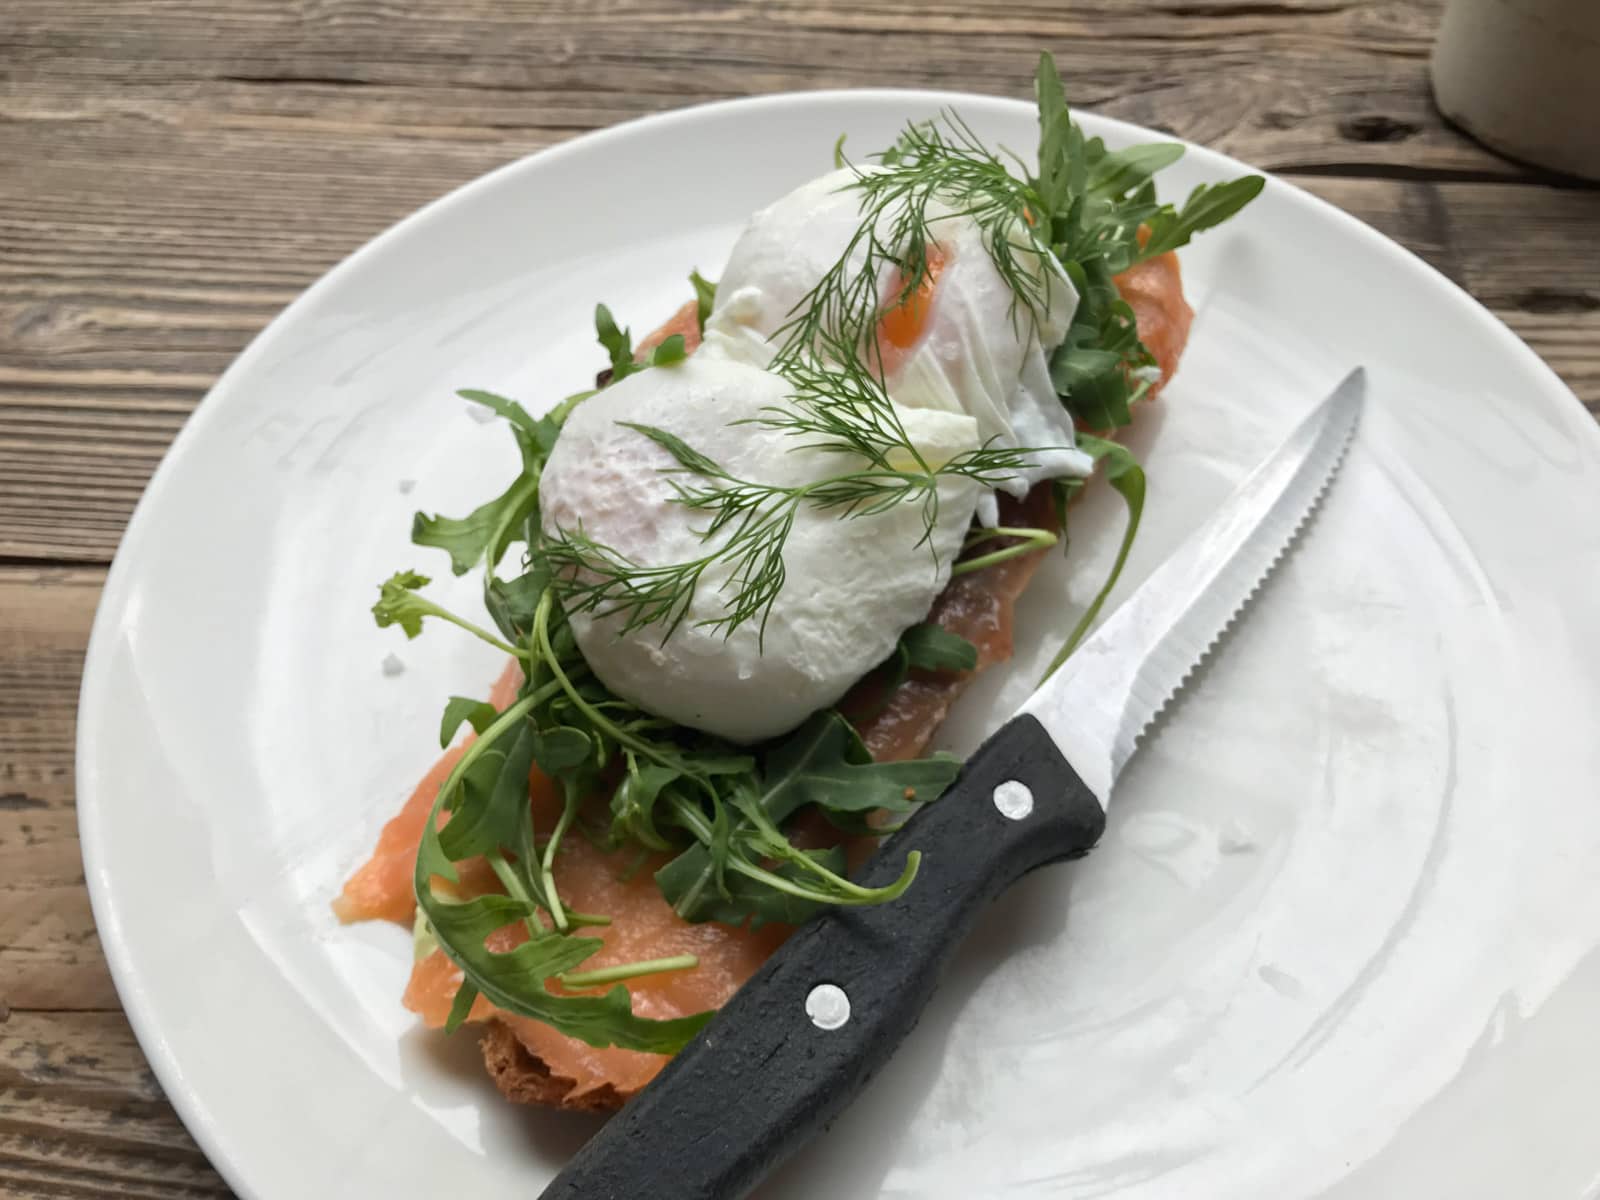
x: 1341, y: 937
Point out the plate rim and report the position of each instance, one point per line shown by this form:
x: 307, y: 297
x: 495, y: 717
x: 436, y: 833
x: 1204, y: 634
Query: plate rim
x: 193, y: 1110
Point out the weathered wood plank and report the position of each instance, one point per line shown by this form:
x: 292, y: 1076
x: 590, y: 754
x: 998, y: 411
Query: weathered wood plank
x: 49, y: 950
x: 43, y: 634
x: 189, y: 168
x: 42, y: 638
x: 174, y: 172
x: 1283, y: 83
x: 50, y: 956
x: 81, y: 1114
x: 94, y: 383
x: 1527, y: 254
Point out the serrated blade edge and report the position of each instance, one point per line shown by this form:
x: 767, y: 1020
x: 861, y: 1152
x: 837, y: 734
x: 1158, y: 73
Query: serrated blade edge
x: 1113, y: 686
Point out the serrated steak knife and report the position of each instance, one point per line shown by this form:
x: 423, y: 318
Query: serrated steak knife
x: 800, y: 1040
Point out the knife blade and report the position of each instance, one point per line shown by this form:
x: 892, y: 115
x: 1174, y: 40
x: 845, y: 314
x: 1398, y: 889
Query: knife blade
x: 799, y: 1041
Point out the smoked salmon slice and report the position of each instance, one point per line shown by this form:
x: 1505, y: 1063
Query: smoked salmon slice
x: 1154, y: 290
x: 531, y: 1062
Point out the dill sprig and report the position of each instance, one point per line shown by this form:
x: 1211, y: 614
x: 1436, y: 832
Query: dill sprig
x: 1087, y: 214
x: 830, y: 354
x: 757, y: 518
x: 720, y: 811
x: 938, y: 171
x: 716, y: 809
x: 841, y: 410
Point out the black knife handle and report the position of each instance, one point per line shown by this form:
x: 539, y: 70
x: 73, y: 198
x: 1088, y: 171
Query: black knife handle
x: 763, y: 1076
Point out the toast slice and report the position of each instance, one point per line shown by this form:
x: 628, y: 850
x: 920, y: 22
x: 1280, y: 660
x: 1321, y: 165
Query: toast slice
x: 977, y: 606
x: 532, y: 1063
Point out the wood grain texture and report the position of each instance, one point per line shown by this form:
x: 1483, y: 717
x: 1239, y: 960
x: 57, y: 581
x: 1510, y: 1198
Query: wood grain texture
x: 49, y: 955
x: 81, y: 1114
x: 174, y: 172
x: 97, y: 373
x: 172, y: 176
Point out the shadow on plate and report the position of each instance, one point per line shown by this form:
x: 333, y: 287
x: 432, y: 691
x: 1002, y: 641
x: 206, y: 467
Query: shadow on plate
x: 445, y: 1072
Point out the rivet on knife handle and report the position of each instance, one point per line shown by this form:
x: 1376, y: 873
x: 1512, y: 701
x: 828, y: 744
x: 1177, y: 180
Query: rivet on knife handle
x: 800, y: 1039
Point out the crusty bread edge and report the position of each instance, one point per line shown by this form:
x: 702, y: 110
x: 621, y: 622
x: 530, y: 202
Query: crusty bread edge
x: 522, y: 1076
x: 525, y: 1078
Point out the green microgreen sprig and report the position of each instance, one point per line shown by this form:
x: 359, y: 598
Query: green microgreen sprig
x: 710, y: 815
x: 1087, y: 214
x: 714, y: 810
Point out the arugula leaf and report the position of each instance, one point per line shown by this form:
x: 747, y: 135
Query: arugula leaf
x: 463, y: 708
x: 485, y: 533
x: 633, y: 804
x: 1127, y: 477
x: 670, y: 350
x: 502, y: 407
x: 1090, y: 367
x: 1080, y: 375
x: 697, y: 891
x: 930, y: 647
x: 423, y: 943
x: 489, y: 530
x: 515, y: 980
x: 925, y: 647
x: 399, y: 604
x: 825, y: 763
x: 488, y: 806
x: 512, y: 603
x: 618, y: 343
x: 1207, y: 207
x: 745, y: 900
x: 461, y: 1006
x: 536, y: 437
x: 558, y: 415
x: 1104, y: 218
x: 1121, y: 171
x: 561, y: 750
x: 1060, y: 141
x: 705, y: 294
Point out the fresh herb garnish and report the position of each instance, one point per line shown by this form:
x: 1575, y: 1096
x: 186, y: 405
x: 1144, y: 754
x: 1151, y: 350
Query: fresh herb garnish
x: 1087, y: 214
x: 930, y: 647
x: 924, y: 647
x: 711, y: 819
x: 717, y: 809
x: 618, y: 343
x: 936, y: 172
x: 1126, y: 476
x: 705, y: 296
x: 1101, y: 211
x: 848, y: 414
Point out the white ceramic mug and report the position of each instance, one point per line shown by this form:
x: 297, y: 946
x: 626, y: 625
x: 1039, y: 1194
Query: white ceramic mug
x: 1523, y: 77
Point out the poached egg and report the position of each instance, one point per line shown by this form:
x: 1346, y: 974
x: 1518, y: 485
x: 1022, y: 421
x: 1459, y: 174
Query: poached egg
x: 852, y: 584
x: 964, y: 345
x: 965, y: 365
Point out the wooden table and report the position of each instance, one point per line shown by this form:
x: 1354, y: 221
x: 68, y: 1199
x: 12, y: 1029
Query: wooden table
x: 174, y: 172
